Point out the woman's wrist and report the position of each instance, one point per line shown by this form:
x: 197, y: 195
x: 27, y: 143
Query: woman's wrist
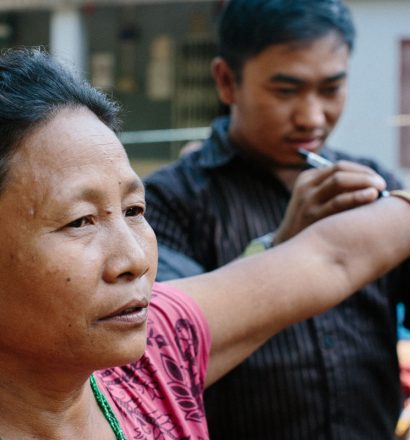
x: 401, y: 193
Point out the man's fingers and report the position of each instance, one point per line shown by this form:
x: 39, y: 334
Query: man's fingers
x: 348, y: 200
x: 345, y: 165
x: 316, y: 177
x: 319, y: 193
x: 346, y: 182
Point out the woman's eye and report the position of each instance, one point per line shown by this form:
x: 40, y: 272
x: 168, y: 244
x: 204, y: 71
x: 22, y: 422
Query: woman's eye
x: 134, y: 211
x: 81, y: 222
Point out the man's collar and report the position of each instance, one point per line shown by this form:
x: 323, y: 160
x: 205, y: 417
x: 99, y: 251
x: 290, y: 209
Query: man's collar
x: 327, y: 153
x: 218, y: 150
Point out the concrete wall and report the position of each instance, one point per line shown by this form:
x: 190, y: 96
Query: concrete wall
x: 366, y: 128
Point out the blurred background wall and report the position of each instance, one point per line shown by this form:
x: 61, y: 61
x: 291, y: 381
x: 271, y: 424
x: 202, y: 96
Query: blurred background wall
x: 377, y: 117
x: 154, y: 56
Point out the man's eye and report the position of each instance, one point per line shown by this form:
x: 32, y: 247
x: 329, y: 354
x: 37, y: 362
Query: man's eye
x: 331, y: 90
x: 81, y: 222
x: 286, y: 91
x: 134, y: 211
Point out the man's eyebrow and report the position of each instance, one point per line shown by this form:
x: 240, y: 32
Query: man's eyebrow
x: 284, y: 78
x: 337, y: 77
x: 281, y: 77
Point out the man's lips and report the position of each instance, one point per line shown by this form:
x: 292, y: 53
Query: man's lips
x: 308, y: 143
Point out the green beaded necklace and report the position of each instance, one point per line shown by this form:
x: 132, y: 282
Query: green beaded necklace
x: 106, y: 409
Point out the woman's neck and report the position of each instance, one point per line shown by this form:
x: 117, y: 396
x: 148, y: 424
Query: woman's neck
x: 49, y: 407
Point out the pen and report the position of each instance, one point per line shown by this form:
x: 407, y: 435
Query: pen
x: 316, y: 161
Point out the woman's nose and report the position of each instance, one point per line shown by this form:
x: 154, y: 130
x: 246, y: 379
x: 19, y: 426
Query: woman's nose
x: 125, y: 252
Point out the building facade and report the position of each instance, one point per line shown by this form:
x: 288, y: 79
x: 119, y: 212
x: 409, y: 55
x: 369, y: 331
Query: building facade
x: 154, y: 55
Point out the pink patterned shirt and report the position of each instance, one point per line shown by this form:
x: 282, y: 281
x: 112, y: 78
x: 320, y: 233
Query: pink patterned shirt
x: 160, y: 396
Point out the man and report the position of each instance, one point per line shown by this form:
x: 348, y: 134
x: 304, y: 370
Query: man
x: 282, y: 69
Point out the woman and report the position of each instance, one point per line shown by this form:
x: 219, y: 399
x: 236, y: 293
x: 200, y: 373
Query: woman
x: 81, y: 356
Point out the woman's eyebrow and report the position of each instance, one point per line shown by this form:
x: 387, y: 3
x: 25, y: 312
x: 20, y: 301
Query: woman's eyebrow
x: 133, y: 185
x: 89, y: 192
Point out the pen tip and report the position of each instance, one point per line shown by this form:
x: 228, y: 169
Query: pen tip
x: 303, y: 152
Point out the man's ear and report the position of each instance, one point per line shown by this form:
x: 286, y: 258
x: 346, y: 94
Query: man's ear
x: 224, y: 79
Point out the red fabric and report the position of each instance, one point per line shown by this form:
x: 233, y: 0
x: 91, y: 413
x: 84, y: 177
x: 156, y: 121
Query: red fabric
x: 160, y: 396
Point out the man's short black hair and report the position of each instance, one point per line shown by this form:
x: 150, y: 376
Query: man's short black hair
x: 247, y: 27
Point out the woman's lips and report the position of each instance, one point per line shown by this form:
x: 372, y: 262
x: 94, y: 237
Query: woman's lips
x: 137, y: 316
x: 134, y: 312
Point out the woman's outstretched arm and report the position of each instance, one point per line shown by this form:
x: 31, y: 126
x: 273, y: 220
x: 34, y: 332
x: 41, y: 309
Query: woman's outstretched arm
x: 251, y: 299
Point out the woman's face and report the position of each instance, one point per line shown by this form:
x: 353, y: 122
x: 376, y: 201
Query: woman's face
x: 77, y: 258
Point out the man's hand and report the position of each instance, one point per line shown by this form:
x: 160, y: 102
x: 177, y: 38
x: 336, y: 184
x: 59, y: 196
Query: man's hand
x: 319, y: 193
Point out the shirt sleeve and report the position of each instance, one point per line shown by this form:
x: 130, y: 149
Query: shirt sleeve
x: 174, y: 213
x: 173, y: 265
x: 167, y: 209
x: 178, y: 318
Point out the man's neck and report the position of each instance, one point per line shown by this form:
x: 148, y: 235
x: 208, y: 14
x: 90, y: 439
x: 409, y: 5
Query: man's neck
x: 287, y: 176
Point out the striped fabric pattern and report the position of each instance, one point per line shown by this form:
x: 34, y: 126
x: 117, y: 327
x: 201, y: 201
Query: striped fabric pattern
x: 333, y: 377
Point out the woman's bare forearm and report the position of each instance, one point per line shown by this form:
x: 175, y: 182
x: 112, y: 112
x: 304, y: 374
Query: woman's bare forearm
x: 251, y: 299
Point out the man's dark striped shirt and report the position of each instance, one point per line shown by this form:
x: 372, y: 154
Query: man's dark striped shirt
x: 331, y: 377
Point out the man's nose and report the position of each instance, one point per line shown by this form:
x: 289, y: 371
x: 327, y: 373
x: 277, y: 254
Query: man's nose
x: 125, y: 252
x: 309, y: 113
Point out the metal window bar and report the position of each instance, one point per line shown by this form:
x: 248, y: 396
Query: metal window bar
x: 166, y: 135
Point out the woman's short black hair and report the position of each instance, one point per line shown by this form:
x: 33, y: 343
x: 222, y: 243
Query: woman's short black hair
x: 33, y: 86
